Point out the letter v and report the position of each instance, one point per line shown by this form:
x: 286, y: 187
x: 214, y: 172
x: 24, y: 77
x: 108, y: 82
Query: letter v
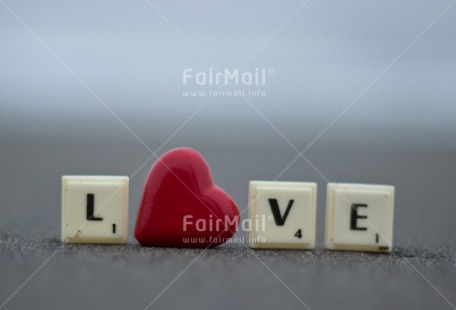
x: 278, y: 218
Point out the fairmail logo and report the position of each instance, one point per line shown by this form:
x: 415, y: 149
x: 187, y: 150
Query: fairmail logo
x: 235, y: 77
x: 218, y: 224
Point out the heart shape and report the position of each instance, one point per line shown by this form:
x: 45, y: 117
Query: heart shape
x: 182, y: 207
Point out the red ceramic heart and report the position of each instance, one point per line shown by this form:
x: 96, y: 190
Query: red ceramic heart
x: 182, y: 207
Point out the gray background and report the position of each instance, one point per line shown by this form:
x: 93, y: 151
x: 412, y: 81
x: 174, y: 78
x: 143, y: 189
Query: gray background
x: 79, y: 80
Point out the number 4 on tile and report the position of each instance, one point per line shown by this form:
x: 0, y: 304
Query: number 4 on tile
x: 298, y: 234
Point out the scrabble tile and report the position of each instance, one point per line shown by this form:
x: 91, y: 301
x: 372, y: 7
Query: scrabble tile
x: 282, y: 215
x: 359, y: 217
x: 94, y: 209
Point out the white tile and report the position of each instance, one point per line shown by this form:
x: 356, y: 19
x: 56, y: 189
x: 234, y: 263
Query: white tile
x: 359, y: 217
x: 94, y: 209
x: 272, y: 226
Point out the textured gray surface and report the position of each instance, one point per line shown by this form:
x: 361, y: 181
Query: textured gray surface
x: 231, y: 276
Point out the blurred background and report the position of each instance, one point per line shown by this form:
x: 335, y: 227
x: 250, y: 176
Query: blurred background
x: 366, y: 88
